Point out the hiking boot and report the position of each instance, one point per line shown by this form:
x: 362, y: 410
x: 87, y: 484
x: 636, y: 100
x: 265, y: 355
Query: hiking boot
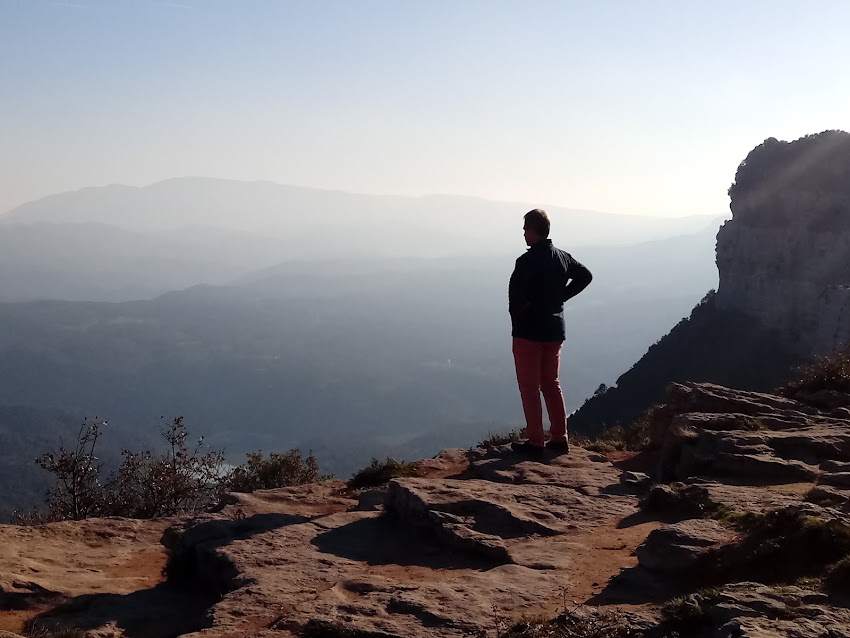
x: 559, y: 447
x: 527, y: 449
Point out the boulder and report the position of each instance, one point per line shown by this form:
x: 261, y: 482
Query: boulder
x: 674, y: 549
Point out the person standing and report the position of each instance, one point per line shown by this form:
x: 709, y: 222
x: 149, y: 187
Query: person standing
x: 543, y: 279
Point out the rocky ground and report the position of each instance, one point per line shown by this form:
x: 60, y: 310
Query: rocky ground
x: 737, y: 528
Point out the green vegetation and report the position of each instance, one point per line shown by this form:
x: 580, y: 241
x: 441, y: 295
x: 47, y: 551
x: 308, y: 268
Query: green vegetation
x: 594, y: 624
x: 380, y: 472
x: 36, y: 628
x: 827, y: 373
x: 837, y: 580
x: 686, y: 614
x: 279, y: 470
x: 181, y: 479
x: 634, y: 437
x: 26, y: 432
x: 496, y: 439
x: 780, y: 546
x: 145, y: 485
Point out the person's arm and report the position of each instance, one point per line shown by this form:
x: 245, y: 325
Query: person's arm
x: 518, y: 288
x: 579, y: 277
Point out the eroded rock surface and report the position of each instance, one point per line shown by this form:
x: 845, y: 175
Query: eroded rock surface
x: 480, y: 535
x: 777, y: 465
x: 480, y: 538
x: 753, y: 610
x: 445, y: 554
x: 108, y: 570
x: 708, y: 430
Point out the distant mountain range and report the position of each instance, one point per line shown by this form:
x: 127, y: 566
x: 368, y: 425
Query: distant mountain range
x: 338, y: 223
x: 281, y: 323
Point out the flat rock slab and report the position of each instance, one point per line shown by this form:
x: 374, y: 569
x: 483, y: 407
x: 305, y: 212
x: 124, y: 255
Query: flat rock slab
x: 448, y: 550
x: 361, y: 569
x: 72, y: 558
x: 752, y: 498
x: 580, y: 470
x: 108, y: 570
x: 709, y: 397
x: 314, y: 499
x: 482, y: 516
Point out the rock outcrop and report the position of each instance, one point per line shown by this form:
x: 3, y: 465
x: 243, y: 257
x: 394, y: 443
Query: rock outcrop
x: 784, y: 257
x: 784, y: 292
x: 481, y: 538
x: 742, y: 533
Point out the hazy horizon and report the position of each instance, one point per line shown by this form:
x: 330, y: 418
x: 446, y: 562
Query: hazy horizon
x: 634, y: 109
x: 521, y: 206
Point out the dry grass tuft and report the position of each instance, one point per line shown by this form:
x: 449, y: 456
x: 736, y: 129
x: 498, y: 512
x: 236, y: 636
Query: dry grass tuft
x: 380, y: 472
x: 828, y: 373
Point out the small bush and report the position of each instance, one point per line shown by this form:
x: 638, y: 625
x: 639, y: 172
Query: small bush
x: 380, y: 472
x: 685, y: 615
x: 78, y: 492
x: 828, y: 373
x: 837, y: 581
x: 633, y: 438
x: 780, y: 546
x: 36, y: 628
x: 497, y: 439
x: 279, y: 470
x: 144, y: 485
x: 595, y: 624
x: 180, y: 480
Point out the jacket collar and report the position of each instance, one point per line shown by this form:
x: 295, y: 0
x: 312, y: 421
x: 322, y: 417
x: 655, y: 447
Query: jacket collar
x: 543, y: 243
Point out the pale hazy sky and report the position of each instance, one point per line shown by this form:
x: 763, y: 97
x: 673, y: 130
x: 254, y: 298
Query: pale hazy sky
x: 625, y: 106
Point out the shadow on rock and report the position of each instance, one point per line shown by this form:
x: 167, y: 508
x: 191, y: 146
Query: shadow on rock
x: 637, y: 586
x: 641, y: 518
x: 386, y: 541
x: 159, y: 612
x: 191, y: 547
x: 33, y: 596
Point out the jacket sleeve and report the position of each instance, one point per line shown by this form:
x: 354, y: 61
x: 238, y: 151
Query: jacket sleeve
x: 519, y: 298
x: 579, y: 279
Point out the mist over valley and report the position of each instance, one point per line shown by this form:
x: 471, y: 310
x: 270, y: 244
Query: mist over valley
x: 350, y: 341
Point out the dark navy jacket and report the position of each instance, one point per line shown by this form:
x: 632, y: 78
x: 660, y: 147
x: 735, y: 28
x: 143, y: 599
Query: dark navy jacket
x: 543, y: 279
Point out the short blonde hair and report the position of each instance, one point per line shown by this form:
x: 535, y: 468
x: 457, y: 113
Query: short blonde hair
x: 538, y: 220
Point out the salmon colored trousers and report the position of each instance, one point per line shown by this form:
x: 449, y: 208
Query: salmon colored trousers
x: 537, y: 365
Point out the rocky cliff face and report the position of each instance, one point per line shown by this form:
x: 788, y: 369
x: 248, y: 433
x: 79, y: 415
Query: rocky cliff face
x: 784, y: 258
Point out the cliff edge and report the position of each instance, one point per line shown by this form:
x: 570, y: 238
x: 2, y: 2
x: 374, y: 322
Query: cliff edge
x: 784, y: 257
x: 784, y: 292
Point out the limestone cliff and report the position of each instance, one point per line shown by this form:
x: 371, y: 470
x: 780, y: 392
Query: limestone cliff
x: 784, y: 258
x: 784, y: 293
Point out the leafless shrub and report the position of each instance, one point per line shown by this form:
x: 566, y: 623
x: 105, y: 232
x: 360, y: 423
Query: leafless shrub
x: 78, y: 492
x: 179, y: 480
x: 144, y: 485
